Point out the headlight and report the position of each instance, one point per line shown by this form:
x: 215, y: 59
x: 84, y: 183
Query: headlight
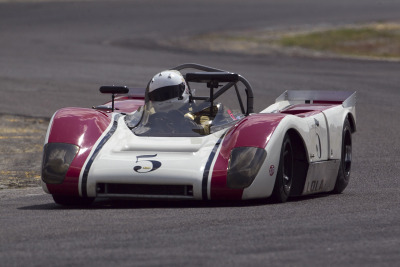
x: 56, y: 160
x: 244, y: 164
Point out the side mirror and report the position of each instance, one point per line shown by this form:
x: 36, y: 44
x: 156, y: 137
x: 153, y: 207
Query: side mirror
x: 107, y: 89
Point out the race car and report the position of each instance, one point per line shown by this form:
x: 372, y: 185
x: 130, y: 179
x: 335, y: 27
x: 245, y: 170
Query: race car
x: 192, y: 134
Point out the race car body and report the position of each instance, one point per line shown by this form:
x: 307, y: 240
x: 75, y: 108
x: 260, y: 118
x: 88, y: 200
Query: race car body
x: 205, y: 149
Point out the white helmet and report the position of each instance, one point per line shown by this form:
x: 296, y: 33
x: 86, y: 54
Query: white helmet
x: 168, y: 85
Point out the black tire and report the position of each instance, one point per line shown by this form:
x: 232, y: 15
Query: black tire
x: 72, y: 201
x: 284, y: 177
x: 343, y: 177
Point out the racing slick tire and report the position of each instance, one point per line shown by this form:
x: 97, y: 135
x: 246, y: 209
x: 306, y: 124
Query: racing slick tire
x: 343, y: 177
x: 72, y: 201
x: 284, y: 177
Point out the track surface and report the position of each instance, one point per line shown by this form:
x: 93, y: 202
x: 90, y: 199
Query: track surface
x: 58, y: 54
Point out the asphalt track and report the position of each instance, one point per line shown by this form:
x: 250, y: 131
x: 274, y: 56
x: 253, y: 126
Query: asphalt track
x: 56, y: 54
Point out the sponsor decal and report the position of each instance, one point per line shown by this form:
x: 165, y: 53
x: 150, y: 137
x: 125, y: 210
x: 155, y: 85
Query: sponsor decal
x: 271, y: 170
x: 145, y: 165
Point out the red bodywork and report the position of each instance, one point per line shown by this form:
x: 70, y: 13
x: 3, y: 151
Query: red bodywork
x: 252, y: 131
x: 305, y: 110
x: 82, y: 127
x: 85, y: 126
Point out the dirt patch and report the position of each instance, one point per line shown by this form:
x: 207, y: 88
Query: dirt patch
x: 378, y: 40
x: 21, y: 147
x: 367, y: 41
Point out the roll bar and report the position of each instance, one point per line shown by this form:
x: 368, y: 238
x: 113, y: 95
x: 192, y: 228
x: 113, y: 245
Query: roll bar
x: 214, y: 75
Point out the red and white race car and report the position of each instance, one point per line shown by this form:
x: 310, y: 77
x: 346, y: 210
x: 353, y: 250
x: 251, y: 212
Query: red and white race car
x: 192, y: 134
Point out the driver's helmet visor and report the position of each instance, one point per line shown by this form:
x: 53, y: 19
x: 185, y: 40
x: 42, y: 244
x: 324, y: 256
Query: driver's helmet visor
x: 167, y: 92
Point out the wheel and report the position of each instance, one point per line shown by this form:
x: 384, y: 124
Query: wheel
x: 284, y: 177
x: 343, y: 177
x: 72, y: 201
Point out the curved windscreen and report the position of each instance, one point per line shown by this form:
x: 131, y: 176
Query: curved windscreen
x: 177, y: 119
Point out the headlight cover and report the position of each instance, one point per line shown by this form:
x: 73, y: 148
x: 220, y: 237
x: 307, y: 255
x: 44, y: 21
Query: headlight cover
x: 57, y: 158
x: 244, y: 164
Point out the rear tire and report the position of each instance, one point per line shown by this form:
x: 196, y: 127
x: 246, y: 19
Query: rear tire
x: 345, y: 162
x: 284, y: 177
x: 72, y: 201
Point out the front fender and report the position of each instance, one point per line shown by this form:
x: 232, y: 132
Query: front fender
x: 252, y: 131
x: 81, y: 127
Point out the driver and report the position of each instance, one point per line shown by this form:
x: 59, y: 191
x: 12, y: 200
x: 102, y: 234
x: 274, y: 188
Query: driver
x: 167, y: 90
x: 168, y: 101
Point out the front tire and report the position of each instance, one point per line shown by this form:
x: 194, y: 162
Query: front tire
x: 284, y: 177
x: 345, y: 162
x: 72, y: 201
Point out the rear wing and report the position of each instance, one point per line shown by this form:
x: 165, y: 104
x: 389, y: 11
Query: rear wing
x: 345, y: 98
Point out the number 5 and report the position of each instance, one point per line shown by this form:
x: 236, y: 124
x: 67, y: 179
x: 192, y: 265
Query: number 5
x: 143, y: 167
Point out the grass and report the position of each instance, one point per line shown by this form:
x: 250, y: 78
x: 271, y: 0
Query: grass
x: 377, y: 40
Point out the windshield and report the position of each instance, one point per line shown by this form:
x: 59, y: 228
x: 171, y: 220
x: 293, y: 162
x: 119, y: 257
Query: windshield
x: 177, y: 119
